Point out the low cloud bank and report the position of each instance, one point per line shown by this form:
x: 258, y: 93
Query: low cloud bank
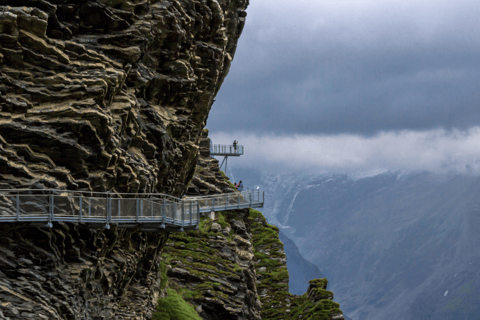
x: 434, y: 150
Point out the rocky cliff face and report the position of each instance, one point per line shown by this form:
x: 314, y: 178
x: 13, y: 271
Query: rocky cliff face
x: 101, y: 95
x: 110, y: 94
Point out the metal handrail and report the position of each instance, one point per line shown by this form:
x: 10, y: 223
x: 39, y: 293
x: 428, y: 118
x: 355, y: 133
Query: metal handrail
x: 105, y: 208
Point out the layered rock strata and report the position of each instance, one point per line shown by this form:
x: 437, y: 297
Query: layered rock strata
x: 110, y: 95
x: 71, y: 273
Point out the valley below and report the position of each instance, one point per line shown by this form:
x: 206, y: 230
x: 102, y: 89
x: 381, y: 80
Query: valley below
x: 393, y: 246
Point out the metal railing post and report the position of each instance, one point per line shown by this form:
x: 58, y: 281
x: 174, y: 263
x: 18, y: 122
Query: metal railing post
x: 174, y: 211
x: 183, y: 214
x: 50, y: 219
x: 137, y: 209
x: 80, y: 208
x: 90, y: 207
x: 198, y: 213
x: 250, y: 194
x: 238, y: 203
x: 191, y: 212
x: 119, y: 209
x: 213, y: 204
x: 109, y: 211
x: 164, y: 213
x: 18, y: 207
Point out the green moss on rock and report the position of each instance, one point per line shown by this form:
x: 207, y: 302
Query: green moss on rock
x: 173, y: 307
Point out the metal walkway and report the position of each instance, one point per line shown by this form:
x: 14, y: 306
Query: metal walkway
x: 150, y: 212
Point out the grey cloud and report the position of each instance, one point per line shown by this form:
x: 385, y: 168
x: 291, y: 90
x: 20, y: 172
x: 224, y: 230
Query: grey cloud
x: 307, y: 68
x: 435, y: 150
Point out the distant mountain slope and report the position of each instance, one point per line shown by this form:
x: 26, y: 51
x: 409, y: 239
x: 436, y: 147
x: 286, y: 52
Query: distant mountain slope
x: 301, y: 271
x: 393, y: 246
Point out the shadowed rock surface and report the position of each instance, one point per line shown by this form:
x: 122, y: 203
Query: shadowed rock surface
x: 71, y: 273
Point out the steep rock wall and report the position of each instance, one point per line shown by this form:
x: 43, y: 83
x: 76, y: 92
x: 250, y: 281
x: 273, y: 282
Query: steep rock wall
x: 101, y: 95
x: 110, y: 94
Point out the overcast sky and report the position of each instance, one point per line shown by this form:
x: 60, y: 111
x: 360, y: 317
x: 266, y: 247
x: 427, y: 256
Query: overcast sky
x: 368, y: 84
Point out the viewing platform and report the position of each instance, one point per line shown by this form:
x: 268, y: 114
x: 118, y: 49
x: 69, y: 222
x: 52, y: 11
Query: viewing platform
x: 226, y: 150
x: 149, y: 212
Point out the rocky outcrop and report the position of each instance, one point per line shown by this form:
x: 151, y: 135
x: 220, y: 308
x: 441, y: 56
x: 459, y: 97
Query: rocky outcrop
x: 272, y: 280
x: 208, y: 178
x: 110, y: 95
x: 213, y: 267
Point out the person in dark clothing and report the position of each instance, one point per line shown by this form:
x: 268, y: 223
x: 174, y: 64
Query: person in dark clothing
x: 240, y: 185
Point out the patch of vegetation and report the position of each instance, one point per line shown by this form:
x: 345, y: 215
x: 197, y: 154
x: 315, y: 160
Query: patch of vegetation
x: 303, y: 308
x: 163, y: 275
x: 173, y: 307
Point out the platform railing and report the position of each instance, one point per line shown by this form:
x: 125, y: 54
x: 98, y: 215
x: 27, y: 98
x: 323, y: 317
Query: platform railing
x: 226, y: 150
x: 230, y: 201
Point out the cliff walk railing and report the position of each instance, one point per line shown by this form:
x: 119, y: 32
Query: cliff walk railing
x: 150, y: 212
x: 230, y: 201
x: 226, y: 150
